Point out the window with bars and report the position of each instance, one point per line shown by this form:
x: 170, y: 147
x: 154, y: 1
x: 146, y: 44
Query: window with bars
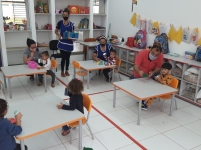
x: 96, y: 7
x: 15, y: 10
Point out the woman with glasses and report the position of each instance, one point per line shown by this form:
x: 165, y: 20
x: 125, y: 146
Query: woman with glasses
x: 65, y: 45
x: 31, y: 53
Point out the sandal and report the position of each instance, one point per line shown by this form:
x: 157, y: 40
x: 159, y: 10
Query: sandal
x: 62, y: 74
x: 64, y: 133
x: 67, y: 74
x: 52, y: 85
x: 40, y: 83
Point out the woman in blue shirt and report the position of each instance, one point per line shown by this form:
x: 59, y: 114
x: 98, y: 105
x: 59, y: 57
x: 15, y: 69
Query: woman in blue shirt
x: 100, y: 50
x: 65, y: 45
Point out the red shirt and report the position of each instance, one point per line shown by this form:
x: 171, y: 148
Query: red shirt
x: 145, y: 64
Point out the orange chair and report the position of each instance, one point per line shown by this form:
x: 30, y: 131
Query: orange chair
x: 54, y: 65
x: 87, y: 102
x: 81, y: 72
x: 174, y: 84
x: 118, y: 64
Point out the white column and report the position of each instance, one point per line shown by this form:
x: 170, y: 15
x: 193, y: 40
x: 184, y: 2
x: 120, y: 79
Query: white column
x: 91, y: 19
x: 4, y: 57
x: 107, y: 17
x: 52, y: 18
x: 32, y: 19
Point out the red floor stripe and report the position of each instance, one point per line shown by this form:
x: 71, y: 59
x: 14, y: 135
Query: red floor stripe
x: 120, y: 129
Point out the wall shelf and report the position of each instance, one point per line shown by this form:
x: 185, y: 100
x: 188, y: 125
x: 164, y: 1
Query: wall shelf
x: 43, y: 30
x: 42, y: 14
x: 17, y: 31
x: 99, y: 29
x: 74, y: 14
x: 99, y: 14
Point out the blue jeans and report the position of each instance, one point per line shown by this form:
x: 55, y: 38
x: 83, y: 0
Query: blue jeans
x: 65, y: 128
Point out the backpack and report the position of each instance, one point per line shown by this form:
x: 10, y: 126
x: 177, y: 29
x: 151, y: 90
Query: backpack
x: 163, y: 40
x: 140, y: 39
x: 129, y: 42
x: 198, y: 54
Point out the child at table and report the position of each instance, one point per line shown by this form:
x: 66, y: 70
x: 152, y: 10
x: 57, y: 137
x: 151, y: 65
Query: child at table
x: 47, y: 64
x: 164, y: 78
x: 109, y: 61
x: 75, y: 88
x: 9, y: 130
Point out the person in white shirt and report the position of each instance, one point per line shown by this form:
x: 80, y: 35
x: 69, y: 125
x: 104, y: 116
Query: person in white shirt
x: 47, y: 64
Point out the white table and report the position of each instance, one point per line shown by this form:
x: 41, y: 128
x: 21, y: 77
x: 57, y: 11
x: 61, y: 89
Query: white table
x: 89, y: 44
x: 143, y: 89
x: 91, y: 65
x: 41, y: 116
x: 20, y: 70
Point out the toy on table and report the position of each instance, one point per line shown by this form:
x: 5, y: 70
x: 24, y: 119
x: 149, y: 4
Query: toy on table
x: 100, y: 62
x: 32, y: 64
x: 87, y: 148
x: 145, y: 75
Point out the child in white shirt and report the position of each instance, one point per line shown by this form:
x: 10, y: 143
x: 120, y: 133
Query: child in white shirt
x: 47, y: 64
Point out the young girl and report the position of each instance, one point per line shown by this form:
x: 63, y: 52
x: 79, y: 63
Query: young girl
x: 75, y: 88
x: 47, y: 64
x: 9, y: 130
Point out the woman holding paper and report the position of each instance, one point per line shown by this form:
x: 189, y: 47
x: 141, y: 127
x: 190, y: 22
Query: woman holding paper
x: 65, y: 45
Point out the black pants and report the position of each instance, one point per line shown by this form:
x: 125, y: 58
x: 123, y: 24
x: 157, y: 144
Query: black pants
x: 52, y: 74
x: 19, y: 148
x: 65, y: 59
x: 106, y: 73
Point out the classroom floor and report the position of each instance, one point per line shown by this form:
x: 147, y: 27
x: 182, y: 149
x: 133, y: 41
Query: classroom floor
x: 158, y: 131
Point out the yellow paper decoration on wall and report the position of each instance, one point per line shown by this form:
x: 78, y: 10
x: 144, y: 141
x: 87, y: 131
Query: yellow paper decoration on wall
x: 133, y: 19
x: 171, y: 34
x: 196, y: 29
x: 199, y: 42
x: 178, y: 36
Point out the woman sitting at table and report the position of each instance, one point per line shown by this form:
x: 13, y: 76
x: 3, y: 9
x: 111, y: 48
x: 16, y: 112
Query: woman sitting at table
x: 31, y: 53
x: 101, y: 49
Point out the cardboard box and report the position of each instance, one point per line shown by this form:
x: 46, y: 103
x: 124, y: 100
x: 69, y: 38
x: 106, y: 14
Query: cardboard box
x: 74, y: 9
x: 87, y: 10
x: 81, y: 10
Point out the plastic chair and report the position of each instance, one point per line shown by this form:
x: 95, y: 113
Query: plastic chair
x: 174, y: 84
x: 54, y: 65
x: 81, y: 72
x: 53, y: 47
x: 87, y: 102
x: 85, y: 47
x: 118, y: 64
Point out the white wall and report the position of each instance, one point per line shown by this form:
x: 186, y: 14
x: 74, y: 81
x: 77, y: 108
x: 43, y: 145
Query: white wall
x: 177, y: 12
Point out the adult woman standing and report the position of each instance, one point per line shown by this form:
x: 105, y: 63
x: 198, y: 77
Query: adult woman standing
x: 65, y: 45
x: 31, y: 53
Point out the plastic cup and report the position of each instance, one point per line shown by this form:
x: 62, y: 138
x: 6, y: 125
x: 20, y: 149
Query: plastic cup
x: 16, y: 112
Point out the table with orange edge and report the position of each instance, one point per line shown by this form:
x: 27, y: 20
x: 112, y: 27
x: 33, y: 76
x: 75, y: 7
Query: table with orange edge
x: 143, y: 89
x: 91, y: 65
x: 20, y: 70
x: 42, y: 115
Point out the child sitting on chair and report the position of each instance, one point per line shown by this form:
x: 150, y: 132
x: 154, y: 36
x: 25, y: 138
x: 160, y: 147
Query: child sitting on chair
x: 109, y: 61
x: 8, y: 131
x: 75, y: 88
x: 164, y: 78
x: 47, y: 64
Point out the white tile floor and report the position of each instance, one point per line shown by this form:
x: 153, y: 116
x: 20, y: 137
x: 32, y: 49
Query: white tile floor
x: 158, y: 131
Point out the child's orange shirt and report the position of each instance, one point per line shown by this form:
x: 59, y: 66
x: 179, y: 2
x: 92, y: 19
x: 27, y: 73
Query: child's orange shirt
x: 166, y: 80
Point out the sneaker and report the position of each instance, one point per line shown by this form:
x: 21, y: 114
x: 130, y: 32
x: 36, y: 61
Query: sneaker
x: 110, y: 74
x: 144, y: 107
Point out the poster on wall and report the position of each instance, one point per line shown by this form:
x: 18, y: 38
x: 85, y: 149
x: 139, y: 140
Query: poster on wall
x: 134, y: 2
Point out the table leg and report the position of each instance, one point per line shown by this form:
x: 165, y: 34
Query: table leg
x: 74, y: 73
x: 173, y: 99
x: 22, y: 145
x: 87, y: 79
x: 5, y: 84
x: 80, y: 134
x: 114, y: 97
x: 88, y: 55
x: 139, y: 112
x: 45, y: 83
x: 9, y: 88
x: 112, y: 75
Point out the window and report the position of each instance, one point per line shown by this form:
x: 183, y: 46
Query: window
x: 96, y: 7
x: 15, y: 9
